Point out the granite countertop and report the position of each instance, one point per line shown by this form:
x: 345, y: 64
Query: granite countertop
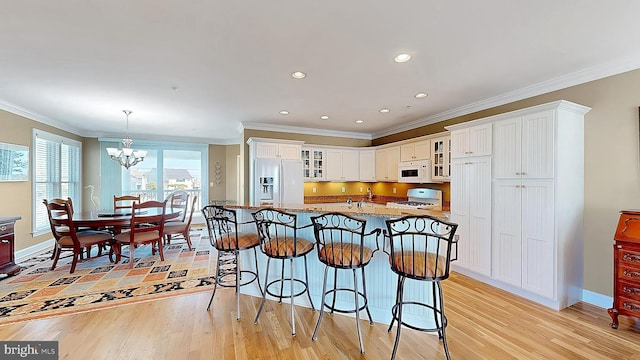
x: 369, y: 209
x: 9, y: 219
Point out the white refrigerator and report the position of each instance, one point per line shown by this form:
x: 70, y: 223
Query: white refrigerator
x: 277, y: 182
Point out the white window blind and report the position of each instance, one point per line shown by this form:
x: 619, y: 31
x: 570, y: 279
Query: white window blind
x: 56, y: 164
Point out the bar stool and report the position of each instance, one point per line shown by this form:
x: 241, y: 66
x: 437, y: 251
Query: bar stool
x: 420, y: 249
x: 277, y: 231
x: 340, y: 242
x: 228, y: 240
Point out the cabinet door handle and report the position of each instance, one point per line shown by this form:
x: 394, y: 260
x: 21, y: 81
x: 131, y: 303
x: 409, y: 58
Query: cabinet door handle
x: 3, y: 227
x: 517, y: 173
x: 629, y: 306
x: 4, y: 241
x: 630, y: 291
x: 630, y: 258
x: 631, y: 274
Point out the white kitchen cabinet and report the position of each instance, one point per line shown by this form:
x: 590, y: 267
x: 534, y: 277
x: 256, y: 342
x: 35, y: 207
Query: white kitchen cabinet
x: 523, y: 234
x: 419, y: 150
x: 367, y: 163
x: 472, y: 141
x: 441, y: 158
x: 342, y: 165
x: 387, y: 160
x: 524, y: 146
x: 313, y: 164
x: 267, y: 148
x: 537, y: 170
x: 471, y: 210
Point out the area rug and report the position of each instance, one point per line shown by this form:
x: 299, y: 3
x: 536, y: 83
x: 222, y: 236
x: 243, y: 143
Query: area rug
x: 38, y: 292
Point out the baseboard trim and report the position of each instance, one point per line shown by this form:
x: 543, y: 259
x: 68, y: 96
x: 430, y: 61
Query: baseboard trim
x: 596, y: 299
x: 31, y: 251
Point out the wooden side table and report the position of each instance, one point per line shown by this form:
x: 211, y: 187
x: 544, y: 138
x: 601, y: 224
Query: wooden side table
x: 7, y: 259
x: 626, y: 266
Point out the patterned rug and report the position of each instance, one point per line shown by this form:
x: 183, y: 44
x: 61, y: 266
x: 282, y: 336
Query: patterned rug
x: 38, y: 292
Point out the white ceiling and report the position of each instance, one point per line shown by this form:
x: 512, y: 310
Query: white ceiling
x: 197, y: 69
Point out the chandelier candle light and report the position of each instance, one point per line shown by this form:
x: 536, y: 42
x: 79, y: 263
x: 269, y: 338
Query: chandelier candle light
x: 126, y: 156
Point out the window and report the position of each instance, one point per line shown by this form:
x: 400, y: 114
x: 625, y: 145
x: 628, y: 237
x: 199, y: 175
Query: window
x: 56, y: 165
x: 168, y: 166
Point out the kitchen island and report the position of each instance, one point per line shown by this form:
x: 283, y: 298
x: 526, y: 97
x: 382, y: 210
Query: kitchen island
x: 381, y: 281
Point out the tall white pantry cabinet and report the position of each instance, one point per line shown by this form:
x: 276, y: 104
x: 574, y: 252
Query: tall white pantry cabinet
x: 535, y: 245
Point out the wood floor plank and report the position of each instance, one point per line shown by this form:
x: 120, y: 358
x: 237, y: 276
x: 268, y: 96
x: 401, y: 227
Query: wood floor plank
x: 484, y: 323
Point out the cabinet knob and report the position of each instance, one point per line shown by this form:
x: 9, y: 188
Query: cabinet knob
x: 630, y: 306
x: 3, y: 228
x: 631, y: 274
x: 630, y: 257
x: 630, y: 291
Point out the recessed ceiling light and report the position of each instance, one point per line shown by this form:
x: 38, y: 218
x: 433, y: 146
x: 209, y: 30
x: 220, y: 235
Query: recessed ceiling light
x: 384, y: 110
x: 298, y: 75
x: 324, y: 117
x: 284, y: 112
x: 359, y: 121
x: 420, y: 95
x: 400, y: 58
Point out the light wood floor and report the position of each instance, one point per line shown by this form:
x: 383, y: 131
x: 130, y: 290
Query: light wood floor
x: 484, y: 323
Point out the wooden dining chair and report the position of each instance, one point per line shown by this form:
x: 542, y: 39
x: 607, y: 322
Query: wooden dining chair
x: 178, y: 200
x: 125, y: 201
x: 147, y: 227
x: 60, y: 212
x: 181, y: 227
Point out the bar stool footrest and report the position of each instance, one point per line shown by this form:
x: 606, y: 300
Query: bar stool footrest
x: 283, y: 281
x: 394, y: 312
x: 345, y: 311
x: 231, y: 283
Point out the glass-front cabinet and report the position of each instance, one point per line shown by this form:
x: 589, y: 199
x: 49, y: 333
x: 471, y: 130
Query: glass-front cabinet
x: 313, y: 165
x: 441, y: 158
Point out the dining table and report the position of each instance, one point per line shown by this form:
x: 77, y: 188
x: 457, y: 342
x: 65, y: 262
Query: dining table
x: 117, y: 219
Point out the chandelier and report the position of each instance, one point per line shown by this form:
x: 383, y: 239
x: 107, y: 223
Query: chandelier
x: 126, y: 156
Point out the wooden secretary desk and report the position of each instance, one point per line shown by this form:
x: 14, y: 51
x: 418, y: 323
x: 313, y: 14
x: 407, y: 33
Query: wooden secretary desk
x: 626, y: 266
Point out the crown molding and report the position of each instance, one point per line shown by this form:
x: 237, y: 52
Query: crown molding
x: 17, y: 110
x: 306, y: 131
x: 618, y: 66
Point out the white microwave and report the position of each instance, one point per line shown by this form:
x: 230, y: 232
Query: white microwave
x: 414, y: 171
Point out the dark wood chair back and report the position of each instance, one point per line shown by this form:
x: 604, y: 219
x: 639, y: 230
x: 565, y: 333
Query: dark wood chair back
x: 125, y: 201
x: 179, y: 200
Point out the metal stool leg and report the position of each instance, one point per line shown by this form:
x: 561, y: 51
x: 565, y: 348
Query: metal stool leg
x: 281, y: 283
x: 442, y: 319
x: 264, y: 292
x: 399, y: 312
x: 356, y: 295
x: 293, y: 320
x: 215, y: 284
x: 237, y: 283
x: 393, y: 318
x: 366, y: 299
x: 322, y: 303
x: 436, y: 317
x: 255, y: 257
x: 306, y: 277
x: 335, y: 285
